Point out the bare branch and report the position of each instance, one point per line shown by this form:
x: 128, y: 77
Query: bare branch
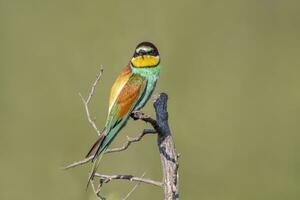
x: 138, y: 115
x: 168, y: 155
x: 114, y: 150
x: 78, y: 163
x: 104, y: 179
x: 108, y: 178
x: 98, y: 76
x: 97, y: 190
x: 88, y: 99
x: 132, y: 140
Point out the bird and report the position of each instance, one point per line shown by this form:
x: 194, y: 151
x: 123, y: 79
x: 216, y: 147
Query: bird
x: 130, y: 92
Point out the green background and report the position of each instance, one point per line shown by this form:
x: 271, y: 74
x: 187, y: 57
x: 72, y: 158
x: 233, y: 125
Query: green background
x: 230, y: 68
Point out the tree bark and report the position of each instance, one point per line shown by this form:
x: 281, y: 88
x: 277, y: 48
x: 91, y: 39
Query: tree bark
x: 168, y: 155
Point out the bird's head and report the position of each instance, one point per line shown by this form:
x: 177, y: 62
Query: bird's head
x: 145, y: 55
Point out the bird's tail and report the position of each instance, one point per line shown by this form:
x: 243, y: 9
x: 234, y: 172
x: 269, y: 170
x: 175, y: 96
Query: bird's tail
x: 99, y: 147
x: 93, y: 152
x: 96, y: 146
x: 93, y: 171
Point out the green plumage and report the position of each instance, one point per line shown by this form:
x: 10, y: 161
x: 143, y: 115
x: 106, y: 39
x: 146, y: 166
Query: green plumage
x: 149, y: 78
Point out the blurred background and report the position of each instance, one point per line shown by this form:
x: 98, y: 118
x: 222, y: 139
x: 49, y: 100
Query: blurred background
x: 230, y: 68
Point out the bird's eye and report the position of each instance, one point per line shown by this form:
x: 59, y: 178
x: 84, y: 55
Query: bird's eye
x: 142, y: 52
x: 152, y: 53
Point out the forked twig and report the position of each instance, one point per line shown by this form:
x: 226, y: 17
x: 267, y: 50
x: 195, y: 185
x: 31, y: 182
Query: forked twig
x: 108, y: 178
x: 132, y: 140
x: 88, y: 99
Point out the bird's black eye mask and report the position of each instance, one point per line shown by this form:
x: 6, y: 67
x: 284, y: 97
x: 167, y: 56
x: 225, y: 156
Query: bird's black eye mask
x: 142, y: 52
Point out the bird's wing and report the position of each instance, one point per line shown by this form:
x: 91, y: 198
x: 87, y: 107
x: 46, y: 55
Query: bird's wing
x: 123, y: 103
x: 118, y: 85
x: 127, y: 99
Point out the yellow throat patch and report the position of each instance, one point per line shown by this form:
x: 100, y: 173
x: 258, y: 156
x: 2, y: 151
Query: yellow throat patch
x: 145, y: 61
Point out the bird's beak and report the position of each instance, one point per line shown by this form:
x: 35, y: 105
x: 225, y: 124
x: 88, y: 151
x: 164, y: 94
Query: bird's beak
x: 142, y: 54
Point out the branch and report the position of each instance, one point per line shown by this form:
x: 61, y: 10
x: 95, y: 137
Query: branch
x: 88, y: 99
x: 132, y: 140
x: 108, y: 178
x: 78, y: 163
x: 114, y: 150
x: 167, y: 151
x: 104, y: 179
x: 138, y: 115
x: 97, y: 190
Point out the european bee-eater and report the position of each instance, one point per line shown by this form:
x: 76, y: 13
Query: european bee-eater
x: 129, y: 93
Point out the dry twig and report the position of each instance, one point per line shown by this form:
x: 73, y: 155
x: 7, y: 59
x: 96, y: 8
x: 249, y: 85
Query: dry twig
x: 132, y: 140
x: 108, y: 178
x: 114, y: 150
x: 78, y: 163
x: 138, y: 115
x: 88, y: 99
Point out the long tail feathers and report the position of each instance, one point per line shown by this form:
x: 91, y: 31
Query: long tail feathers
x: 93, y: 171
x: 97, y: 150
x: 93, y: 152
x: 96, y: 146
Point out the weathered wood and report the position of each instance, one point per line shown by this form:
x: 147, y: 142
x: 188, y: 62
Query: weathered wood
x: 168, y: 155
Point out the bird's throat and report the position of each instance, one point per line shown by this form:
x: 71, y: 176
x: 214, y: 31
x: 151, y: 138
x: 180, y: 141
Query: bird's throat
x: 145, y: 61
